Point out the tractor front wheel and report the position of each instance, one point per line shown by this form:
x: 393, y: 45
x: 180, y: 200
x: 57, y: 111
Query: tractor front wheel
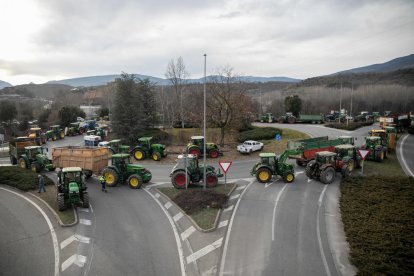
x: 85, y: 200
x: 22, y: 163
x: 139, y: 154
x: 54, y: 138
x: 178, y: 180
x: 281, y: 121
x: 379, y: 155
x: 263, y: 175
x: 194, y: 150
x: 345, y: 171
x: 35, y: 167
x: 62, y: 135
x: 288, y: 177
x: 211, y: 180
x: 213, y: 153
x: 156, y: 156
x: 292, y: 120
x: 308, y: 170
x: 328, y: 175
x: 61, y: 202
x: 111, y: 177
x: 135, y: 181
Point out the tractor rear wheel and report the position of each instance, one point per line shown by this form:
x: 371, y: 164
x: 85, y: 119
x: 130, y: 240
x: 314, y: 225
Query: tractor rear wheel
x: 111, y: 177
x: 22, y: 163
x: 211, y: 180
x: 156, y: 156
x: 291, y: 120
x: 350, y: 165
x: 178, y: 180
x: 280, y: 120
x: 62, y: 135
x: 194, y: 150
x: 139, y: 154
x: 213, y: 153
x: 35, y: 167
x: 308, y: 170
x: 135, y: 181
x: 288, y: 177
x: 328, y: 175
x: 263, y: 175
x: 85, y: 200
x: 145, y: 172
x: 61, y: 202
x: 13, y: 160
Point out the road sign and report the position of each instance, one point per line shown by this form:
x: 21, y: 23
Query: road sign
x: 363, y: 153
x: 225, y: 165
x: 278, y: 137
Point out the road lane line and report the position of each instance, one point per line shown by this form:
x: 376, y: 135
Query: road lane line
x: 269, y: 184
x: 187, y: 233
x: 274, y: 211
x: 78, y: 260
x: 228, y: 208
x: 178, y: 216
x: 157, y: 195
x: 49, y: 224
x: 223, y: 223
x: 241, y: 188
x: 318, y: 231
x: 204, y: 251
x: 85, y: 221
x: 86, y: 210
x: 402, y: 156
x: 226, y: 241
x: 67, y: 241
x: 167, y: 205
x: 177, y: 237
x: 234, y: 197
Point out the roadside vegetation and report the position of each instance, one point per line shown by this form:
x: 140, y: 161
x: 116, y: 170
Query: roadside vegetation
x: 27, y: 181
x: 377, y: 212
x: 202, y: 206
x: 349, y: 126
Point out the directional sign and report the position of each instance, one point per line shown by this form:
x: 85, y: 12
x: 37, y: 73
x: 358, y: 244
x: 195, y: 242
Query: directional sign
x: 363, y: 153
x: 225, y: 165
x: 278, y: 137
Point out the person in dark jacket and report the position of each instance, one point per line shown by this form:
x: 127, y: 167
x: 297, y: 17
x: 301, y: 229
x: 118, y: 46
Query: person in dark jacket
x: 41, y: 183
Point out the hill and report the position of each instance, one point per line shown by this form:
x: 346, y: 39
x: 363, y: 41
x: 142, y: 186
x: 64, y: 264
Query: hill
x: 4, y: 84
x: 46, y: 90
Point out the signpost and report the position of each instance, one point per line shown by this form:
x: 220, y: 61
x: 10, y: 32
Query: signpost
x: 278, y: 137
x: 225, y: 165
x: 363, y: 154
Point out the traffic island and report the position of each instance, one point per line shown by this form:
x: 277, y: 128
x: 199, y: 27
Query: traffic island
x: 201, y: 206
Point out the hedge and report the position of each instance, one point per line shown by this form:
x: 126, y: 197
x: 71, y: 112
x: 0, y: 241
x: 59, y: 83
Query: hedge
x: 349, y: 126
x: 21, y: 179
x: 259, y: 133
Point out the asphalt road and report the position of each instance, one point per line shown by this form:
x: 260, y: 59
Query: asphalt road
x: 26, y: 245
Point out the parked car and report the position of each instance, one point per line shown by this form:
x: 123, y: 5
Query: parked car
x: 249, y: 146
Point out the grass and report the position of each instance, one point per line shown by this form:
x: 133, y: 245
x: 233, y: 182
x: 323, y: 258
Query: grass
x: 206, y: 215
x: 27, y: 181
x: 378, y: 216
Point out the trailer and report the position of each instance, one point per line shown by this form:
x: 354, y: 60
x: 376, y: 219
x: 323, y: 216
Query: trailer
x: 314, y: 119
x: 306, y: 149
x: 399, y: 121
x: 92, y: 160
x: 16, y: 148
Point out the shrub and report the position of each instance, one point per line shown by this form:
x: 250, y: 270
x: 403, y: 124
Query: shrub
x: 192, y: 201
x: 259, y: 133
x: 21, y: 179
x: 349, y: 126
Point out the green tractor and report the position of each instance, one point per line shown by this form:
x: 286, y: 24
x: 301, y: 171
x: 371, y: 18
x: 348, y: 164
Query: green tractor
x: 36, y: 134
x: 145, y: 149
x: 98, y: 131
x: 287, y: 118
x: 347, y: 155
x: 377, y: 151
x: 115, y: 147
x: 196, y: 147
x: 55, y: 133
x: 324, y: 167
x: 270, y: 165
x: 195, y: 173
x: 75, y: 129
x: 71, y: 188
x: 122, y: 170
x: 347, y: 140
x: 35, y: 159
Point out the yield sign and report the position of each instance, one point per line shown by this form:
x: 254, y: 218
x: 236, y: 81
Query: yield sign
x: 225, y: 165
x: 363, y: 153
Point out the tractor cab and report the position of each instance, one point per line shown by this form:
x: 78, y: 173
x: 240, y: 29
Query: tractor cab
x: 197, y: 140
x: 372, y: 141
x: 269, y: 159
x: 343, y: 151
x: 116, y: 147
x: 145, y: 142
x: 325, y: 157
x: 32, y: 151
x: 72, y: 188
x: 348, y: 140
x: 35, y: 132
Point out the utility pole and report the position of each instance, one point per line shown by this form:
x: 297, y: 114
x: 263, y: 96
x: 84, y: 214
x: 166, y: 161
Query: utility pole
x: 352, y: 94
x: 204, y: 125
x: 340, y: 101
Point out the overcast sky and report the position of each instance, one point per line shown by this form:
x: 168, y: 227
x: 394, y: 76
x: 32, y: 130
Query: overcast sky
x: 44, y: 40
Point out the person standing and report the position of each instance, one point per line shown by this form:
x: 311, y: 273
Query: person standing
x: 103, y: 183
x: 41, y: 183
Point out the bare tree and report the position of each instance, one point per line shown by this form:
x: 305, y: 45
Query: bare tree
x: 177, y: 75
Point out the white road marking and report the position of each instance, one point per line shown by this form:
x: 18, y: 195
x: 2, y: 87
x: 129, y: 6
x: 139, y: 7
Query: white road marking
x: 226, y: 242
x: 177, y: 237
x: 86, y: 210
x: 204, y: 251
x: 318, y: 231
x: 241, y: 188
x: 78, y: 260
x: 73, y: 238
x: 229, y: 208
x: 49, y: 224
x: 223, y: 223
x: 178, y: 216
x: 90, y: 207
x: 297, y: 173
x: 274, y: 211
x: 310, y: 180
x: 234, y: 197
x: 156, y: 184
x: 187, y: 233
x: 85, y: 221
x: 157, y: 195
x: 402, y: 157
x: 273, y: 182
x: 168, y: 205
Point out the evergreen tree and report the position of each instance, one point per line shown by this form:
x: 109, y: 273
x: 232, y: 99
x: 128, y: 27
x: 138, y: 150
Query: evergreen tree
x: 293, y: 104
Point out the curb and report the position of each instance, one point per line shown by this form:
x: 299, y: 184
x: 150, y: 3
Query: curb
x: 190, y: 219
x: 55, y: 214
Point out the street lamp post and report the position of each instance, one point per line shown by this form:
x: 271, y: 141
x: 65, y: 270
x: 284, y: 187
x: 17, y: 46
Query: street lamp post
x: 204, y: 124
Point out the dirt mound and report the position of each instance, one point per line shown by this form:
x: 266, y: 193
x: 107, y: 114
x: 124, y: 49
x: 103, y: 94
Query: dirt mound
x: 192, y: 201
